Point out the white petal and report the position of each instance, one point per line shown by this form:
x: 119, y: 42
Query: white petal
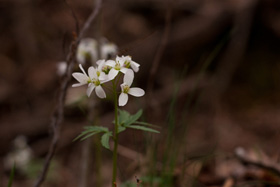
x: 90, y: 89
x: 99, y: 62
x: 134, y: 66
x: 81, y: 67
x: 128, y: 77
x: 118, y: 58
x: 100, y: 92
x: 126, y: 58
x: 121, y: 61
x: 111, y: 63
x: 92, y: 72
x: 122, y: 86
x: 106, y: 79
x: 82, y: 78
x: 123, y: 70
x: 78, y: 84
x: 123, y: 98
x: 102, y: 76
x: 112, y: 74
x: 137, y: 92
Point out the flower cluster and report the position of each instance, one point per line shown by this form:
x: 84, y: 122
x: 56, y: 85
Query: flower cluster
x: 89, y: 50
x: 106, y: 71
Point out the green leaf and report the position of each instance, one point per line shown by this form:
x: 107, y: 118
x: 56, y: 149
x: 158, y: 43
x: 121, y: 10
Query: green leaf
x: 146, y: 124
x: 123, y: 116
x: 83, y: 137
x: 105, y: 139
x: 121, y: 128
x: 90, y: 131
x: 82, y: 134
x: 12, y: 175
x: 143, y: 128
x: 132, y: 118
x: 96, y: 128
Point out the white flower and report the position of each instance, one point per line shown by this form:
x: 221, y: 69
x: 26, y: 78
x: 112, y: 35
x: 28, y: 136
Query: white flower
x: 97, y: 79
x: 92, y: 79
x: 127, y: 62
x: 82, y: 78
x: 116, y: 67
x: 87, y: 50
x: 127, y: 81
x: 108, y: 50
x: 102, y: 69
x: 61, y: 68
x: 21, y: 154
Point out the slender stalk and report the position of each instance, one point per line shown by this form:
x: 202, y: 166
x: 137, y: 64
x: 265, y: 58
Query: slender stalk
x: 116, y: 136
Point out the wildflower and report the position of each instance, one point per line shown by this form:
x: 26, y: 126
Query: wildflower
x: 116, y: 67
x: 108, y: 50
x: 83, y: 78
x: 97, y: 79
x: 21, y: 154
x: 127, y: 81
x: 102, y: 69
x: 128, y: 62
x: 92, y: 79
x: 87, y: 51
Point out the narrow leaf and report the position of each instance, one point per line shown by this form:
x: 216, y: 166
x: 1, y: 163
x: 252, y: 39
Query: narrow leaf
x: 79, y: 136
x: 133, y: 118
x: 96, y: 128
x: 83, y: 134
x: 105, y: 139
x: 147, y: 124
x: 90, y: 131
x: 143, y: 128
x: 12, y: 175
x: 88, y: 135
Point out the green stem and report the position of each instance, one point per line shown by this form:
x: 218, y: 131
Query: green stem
x: 116, y: 137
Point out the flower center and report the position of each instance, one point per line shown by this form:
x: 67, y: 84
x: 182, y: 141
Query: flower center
x: 106, y: 69
x: 98, y: 73
x: 127, y: 64
x: 125, y: 89
x: 117, y: 66
x: 96, y: 82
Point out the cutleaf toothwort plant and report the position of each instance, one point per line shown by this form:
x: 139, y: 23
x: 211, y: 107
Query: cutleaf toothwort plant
x: 106, y: 71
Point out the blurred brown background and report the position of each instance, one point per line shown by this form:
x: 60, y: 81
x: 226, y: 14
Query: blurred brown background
x: 218, y: 79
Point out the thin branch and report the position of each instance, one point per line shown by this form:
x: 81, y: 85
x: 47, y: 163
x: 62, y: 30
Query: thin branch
x: 58, y: 113
x: 90, y: 19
